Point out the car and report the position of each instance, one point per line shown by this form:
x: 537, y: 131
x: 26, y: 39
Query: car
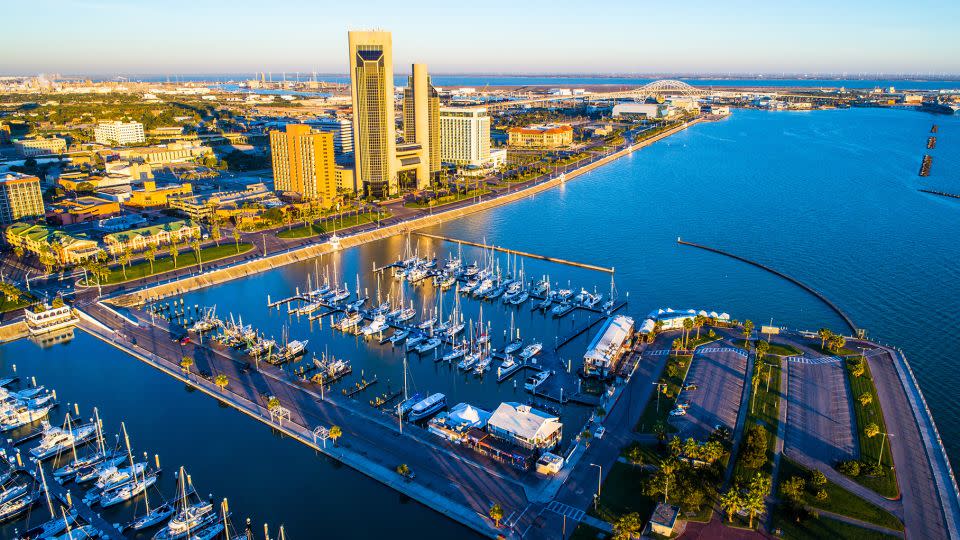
x: 690, y: 387
x: 678, y: 412
x: 598, y: 434
x: 683, y: 404
x: 185, y: 340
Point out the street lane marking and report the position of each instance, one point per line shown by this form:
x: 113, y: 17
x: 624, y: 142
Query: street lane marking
x: 566, y: 510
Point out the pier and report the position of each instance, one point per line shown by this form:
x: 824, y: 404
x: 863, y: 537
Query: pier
x: 520, y: 253
x: 846, y: 318
x: 941, y: 193
x: 925, y: 165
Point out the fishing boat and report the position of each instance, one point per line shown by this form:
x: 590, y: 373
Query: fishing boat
x: 56, y: 439
x: 428, y: 407
x: 531, y: 350
x: 21, y: 415
x: 378, y: 324
x: 428, y: 345
x: 534, y: 381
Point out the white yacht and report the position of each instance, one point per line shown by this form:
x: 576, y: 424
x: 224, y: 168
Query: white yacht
x: 378, y: 324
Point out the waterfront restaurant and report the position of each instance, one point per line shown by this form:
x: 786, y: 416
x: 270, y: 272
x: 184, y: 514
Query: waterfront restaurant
x: 605, y: 352
x: 490, y: 446
x: 524, y: 426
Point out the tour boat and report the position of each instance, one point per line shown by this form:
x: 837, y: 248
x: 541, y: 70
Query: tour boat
x: 536, y: 380
x: 531, y: 350
x: 427, y: 407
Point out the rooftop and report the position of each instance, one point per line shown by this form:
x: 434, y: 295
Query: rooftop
x: 522, y: 420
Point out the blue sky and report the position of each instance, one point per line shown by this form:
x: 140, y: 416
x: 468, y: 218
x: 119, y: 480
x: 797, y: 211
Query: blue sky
x: 491, y: 36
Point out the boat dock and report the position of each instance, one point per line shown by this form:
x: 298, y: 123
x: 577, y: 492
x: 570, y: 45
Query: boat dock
x: 520, y: 253
x: 360, y: 387
x: 59, y: 495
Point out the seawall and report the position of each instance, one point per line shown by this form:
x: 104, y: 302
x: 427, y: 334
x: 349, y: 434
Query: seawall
x: 270, y: 262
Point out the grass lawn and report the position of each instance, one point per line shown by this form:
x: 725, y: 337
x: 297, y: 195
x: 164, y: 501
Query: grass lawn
x: 449, y: 199
x: 6, y: 305
x: 650, y: 416
x: 822, y: 528
x: 330, y: 224
x: 584, y: 532
x: 841, y: 501
x: 779, y: 349
x: 622, y: 494
x: 885, y: 485
x: 185, y: 259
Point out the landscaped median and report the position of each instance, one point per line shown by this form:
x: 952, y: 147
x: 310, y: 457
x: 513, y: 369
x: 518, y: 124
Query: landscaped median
x: 874, y: 469
x: 332, y: 224
x: 166, y: 263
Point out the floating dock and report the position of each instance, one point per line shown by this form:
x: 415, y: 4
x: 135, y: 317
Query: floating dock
x: 520, y: 253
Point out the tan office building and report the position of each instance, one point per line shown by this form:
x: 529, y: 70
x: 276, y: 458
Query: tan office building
x: 370, y: 60
x: 421, y: 122
x: 20, y: 197
x: 303, y: 163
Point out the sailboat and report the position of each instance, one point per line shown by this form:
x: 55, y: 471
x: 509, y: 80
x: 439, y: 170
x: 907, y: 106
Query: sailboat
x: 515, y: 342
x: 189, y: 517
x: 131, y: 488
x: 608, y: 305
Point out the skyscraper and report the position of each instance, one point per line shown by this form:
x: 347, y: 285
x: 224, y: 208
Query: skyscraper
x: 303, y: 163
x: 370, y: 57
x: 465, y: 135
x: 421, y: 122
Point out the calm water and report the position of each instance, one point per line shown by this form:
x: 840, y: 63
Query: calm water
x: 829, y: 197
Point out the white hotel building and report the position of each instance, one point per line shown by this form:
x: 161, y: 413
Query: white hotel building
x: 465, y: 136
x: 120, y: 133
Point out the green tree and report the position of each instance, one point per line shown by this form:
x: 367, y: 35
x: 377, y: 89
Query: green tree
x: 731, y: 503
x: 221, y: 381
x: 124, y: 261
x: 496, y: 514
x: 186, y: 363
x: 403, y: 470
x: 818, y: 479
x: 871, y: 430
x: 698, y: 323
x: 687, y: 326
x: 151, y: 255
x: 634, y: 455
x: 195, y: 244
x: 627, y: 527
x: 865, y: 398
x: 793, y: 491
x: 335, y: 433
x: 677, y: 344
x: 236, y: 238
x: 754, y: 504
x: 747, y: 332
x: 824, y: 334
x: 174, y: 249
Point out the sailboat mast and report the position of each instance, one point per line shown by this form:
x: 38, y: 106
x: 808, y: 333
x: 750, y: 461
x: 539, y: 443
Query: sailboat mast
x: 46, y: 491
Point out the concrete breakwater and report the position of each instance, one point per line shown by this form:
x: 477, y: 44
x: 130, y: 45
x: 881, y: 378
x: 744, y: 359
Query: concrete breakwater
x: 270, y: 262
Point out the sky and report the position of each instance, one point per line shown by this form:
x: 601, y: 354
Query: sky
x: 101, y: 37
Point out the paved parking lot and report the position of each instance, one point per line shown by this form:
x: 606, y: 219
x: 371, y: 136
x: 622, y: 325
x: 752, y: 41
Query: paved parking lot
x: 718, y: 371
x: 819, y: 412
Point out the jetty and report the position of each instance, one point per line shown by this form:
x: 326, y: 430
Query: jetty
x: 925, y: 165
x: 941, y: 193
x: 931, y: 143
x: 520, y: 253
x: 846, y: 318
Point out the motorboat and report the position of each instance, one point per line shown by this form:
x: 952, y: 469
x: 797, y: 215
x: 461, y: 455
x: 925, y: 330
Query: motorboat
x: 187, y: 521
x: 483, y: 364
x: 51, y: 528
x: 428, y: 345
x: 513, y: 346
x: 531, y: 350
x: 378, y: 324
x: 428, y: 407
x: 561, y: 309
x: 404, y: 406
x: 349, y: 321
x: 399, y: 336
x: 534, y: 381
x: 520, y: 298
x: 14, y: 417
x: 127, y: 491
x: 56, y: 440
x: 93, y: 472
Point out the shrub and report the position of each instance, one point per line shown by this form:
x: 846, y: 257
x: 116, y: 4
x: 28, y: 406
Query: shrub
x: 871, y: 469
x: 818, y: 479
x: 821, y: 495
x: 849, y: 468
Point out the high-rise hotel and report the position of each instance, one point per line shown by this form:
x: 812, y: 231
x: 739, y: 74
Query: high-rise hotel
x: 303, y: 163
x: 421, y: 122
x: 374, y: 133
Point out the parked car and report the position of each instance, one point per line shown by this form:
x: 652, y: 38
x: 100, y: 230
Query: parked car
x: 678, y: 412
x: 185, y: 340
x: 690, y: 387
x: 598, y: 434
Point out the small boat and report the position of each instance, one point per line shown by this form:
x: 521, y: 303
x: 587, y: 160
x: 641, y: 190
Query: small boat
x: 468, y: 361
x: 307, y: 309
x: 561, y: 309
x: 447, y: 282
x: 428, y: 407
x: 128, y: 490
x: 404, y: 406
x: 427, y: 324
x: 151, y: 518
x: 80, y: 533
x: 428, y: 345
x: 15, y: 507
x: 513, y: 346
x: 471, y: 270
x: 457, y: 352
x: 192, y: 518
x: 13, y: 492
x: 349, y: 321
x: 563, y: 294
x: 541, y: 286
x: 12, y: 418
x: 483, y: 364
x: 520, y: 298
x: 507, y: 365
x: 531, y: 350
x: 536, y: 380
x: 399, y: 336
x: 93, y: 472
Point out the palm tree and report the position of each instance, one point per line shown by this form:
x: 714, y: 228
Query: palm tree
x: 687, y: 326
x: 186, y: 363
x: 496, y: 514
x: 221, y: 381
x: 195, y: 244
x: 273, y: 402
x: 731, y: 503
x: 236, y: 238
x: 747, y: 332
x: 824, y: 334
x: 335, y: 433
x: 124, y: 261
x: 174, y: 252
x: 151, y: 255
x: 753, y: 503
x: 403, y: 469
x: 698, y: 323
x: 215, y: 228
x: 677, y: 344
x: 667, y: 468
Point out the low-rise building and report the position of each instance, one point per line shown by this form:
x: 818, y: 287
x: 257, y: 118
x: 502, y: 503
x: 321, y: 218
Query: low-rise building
x: 44, y: 318
x: 204, y: 206
x: 40, y: 146
x: 606, y: 351
x: 344, y: 177
x: 453, y: 425
x: 540, y: 136
x: 640, y: 110
x: 175, y: 152
x: 121, y: 133
x: 43, y: 241
x: 663, y: 521
x: 120, y: 223
x: 152, y: 195
x: 81, y: 209
x: 526, y: 427
x: 135, y: 240
x: 20, y: 198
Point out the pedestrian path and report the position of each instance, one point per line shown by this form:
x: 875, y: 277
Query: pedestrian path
x: 566, y: 510
x: 735, y: 350
x: 816, y: 361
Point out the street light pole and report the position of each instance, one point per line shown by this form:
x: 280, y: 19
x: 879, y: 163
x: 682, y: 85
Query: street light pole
x: 883, y: 440
x: 596, y: 500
